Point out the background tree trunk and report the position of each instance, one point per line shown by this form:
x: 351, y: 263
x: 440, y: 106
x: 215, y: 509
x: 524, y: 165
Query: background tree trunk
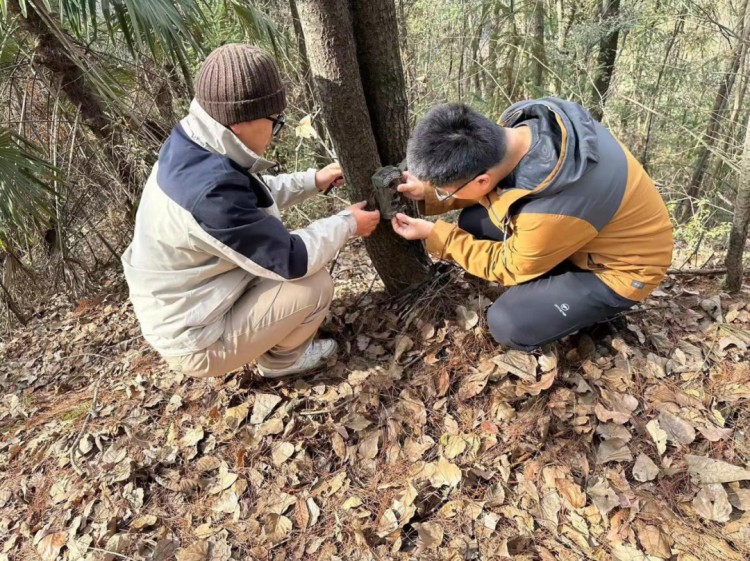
x: 329, y: 37
x: 538, y: 51
x: 738, y: 234
x: 610, y: 10
x: 714, y: 124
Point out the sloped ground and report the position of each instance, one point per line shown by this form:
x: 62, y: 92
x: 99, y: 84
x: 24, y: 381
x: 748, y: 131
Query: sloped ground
x: 423, y: 441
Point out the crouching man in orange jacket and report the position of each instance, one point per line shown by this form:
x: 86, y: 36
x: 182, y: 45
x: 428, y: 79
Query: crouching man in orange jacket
x: 553, y: 207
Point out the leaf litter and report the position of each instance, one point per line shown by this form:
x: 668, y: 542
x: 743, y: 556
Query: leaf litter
x: 424, y: 440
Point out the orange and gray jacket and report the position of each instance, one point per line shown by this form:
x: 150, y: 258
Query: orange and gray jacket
x: 578, y: 195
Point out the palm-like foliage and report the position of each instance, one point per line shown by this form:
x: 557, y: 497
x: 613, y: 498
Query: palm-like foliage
x: 25, y: 194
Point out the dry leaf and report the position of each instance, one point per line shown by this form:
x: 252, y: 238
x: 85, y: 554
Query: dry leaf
x: 571, y: 493
x: 739, y: 498
x: 615, y: 450
x: 467, y: 319
x: 520, y: 364
x: 198, y: 551
x: 678, y: 430
x: 430, y: 535
x: 143, y: 522
x: 277, y: 527
x: 708, y: 470
x: 644, y: 469
x: 654, y: 541
x: 235, y: 415
x: 206, y: 463
x: 658, y: 435
x: 351, y: 502
x: 472, y: 384
x: 387, y: 523
x: 712, y: 503
x: 403, y: 344
x: 281, y: 452
x: 602, y: 495
x: 445, y: 474
x: 50, y: 545
x: 453, y: 445
x: 314, y: 511
x: 305, y: 129
x: 264, y: 404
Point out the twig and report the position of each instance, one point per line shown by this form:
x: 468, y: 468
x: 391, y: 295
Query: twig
x: 90, y: 415
x: 719, y: 271
x: 120, y: 555
x: 308, y: 412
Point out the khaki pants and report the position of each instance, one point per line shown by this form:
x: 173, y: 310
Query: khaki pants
x: 272, y: 323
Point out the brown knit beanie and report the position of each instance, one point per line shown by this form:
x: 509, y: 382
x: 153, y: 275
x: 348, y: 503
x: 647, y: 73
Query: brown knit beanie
x: 237, y: 83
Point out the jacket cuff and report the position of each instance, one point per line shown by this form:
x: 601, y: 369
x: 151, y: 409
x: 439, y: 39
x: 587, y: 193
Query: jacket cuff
x: 438, y: 238
x: 351, y: 221
x: 430, y: 206
x: 308, y: 180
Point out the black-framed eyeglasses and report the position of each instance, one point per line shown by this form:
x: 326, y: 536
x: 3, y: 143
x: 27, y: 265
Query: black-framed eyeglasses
x: 443, y: 195
x: 278, y: 124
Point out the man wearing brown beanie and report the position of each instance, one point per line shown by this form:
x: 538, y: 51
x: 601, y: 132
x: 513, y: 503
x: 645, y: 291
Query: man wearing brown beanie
x: 216, y: 279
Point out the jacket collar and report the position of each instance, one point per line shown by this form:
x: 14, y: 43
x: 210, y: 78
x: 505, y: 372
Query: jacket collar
x: 212, y: 135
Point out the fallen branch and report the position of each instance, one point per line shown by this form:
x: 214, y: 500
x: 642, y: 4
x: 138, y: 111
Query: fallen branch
x: 719, y: 271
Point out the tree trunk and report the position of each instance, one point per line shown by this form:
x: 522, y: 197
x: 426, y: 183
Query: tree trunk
x: 538, y: 50
x: 308, y: 89
x: 714, y: 123
x: 610, y: 10
x: 678, y: 27
x: 511, y: 74
x: 740, y: 223
x: 329, y: 38
x: 382, y: 75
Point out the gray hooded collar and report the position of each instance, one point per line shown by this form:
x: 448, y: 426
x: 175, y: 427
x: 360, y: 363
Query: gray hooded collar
x: 212, y: 135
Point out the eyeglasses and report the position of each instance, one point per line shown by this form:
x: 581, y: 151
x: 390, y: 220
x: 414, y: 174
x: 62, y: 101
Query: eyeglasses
x: 443, y: 195
x: 278, y: 123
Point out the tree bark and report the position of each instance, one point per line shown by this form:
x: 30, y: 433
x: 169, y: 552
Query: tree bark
x: 377, y: 45
x: 610, y: 10
x: 538, y: 50
x: 740, y: 223
x: 329, y: 37
x: 678, y: 27
x: 714, y: 124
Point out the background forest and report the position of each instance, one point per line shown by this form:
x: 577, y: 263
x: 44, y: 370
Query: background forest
x: 90, y: 89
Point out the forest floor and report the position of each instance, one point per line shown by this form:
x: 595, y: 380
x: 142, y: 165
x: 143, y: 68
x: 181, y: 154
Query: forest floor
x: 423, y: 441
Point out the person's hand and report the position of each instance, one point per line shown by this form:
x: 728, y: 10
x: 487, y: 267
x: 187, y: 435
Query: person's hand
x: 412, y: 188
x: 411, y: 228
x: 367, y: 220
x: 329, y: 176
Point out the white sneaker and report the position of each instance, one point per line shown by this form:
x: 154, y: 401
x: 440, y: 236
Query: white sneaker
x: 314, y: 357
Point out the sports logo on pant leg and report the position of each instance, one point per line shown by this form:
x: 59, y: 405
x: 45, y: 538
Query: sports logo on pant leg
x: 562, y: 308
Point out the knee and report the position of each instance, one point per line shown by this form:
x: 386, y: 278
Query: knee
x: 318, y: 288
x: 507, y: 328
x: 469, y: 220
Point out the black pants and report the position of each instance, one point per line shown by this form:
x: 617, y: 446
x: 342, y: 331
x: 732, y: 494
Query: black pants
x: 547, y: 308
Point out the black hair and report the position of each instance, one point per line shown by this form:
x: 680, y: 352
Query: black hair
x: 453, y: 143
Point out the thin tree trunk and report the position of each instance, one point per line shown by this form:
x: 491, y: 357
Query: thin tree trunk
x: 538, y: 51
x: 492, y: 52
x: 308, y: 90
x: 511, y: 74
x: 740, y: 223
x: 610, y: 10
x: 714, y: 124
x: 678, y: 27
x: 329, y: 38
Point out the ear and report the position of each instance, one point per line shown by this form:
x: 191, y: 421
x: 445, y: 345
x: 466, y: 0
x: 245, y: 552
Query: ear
x: 234, y: 128
x: 484, y: 180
